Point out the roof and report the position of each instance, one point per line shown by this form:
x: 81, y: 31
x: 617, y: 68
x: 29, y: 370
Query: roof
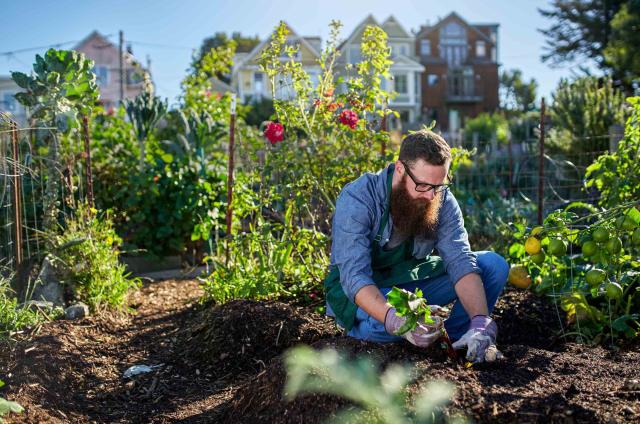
x: 394, y: 29
x: 424, y: 30
x: 106, y: 43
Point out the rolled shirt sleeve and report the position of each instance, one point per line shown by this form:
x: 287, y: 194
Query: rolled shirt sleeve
x: 453, y: 241
x: 351, y: 242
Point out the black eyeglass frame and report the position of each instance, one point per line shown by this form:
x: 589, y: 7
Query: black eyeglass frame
x: 437, y: 188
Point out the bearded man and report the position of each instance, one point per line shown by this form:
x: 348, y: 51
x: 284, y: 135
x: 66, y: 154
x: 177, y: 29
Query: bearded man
x: 385, y: 229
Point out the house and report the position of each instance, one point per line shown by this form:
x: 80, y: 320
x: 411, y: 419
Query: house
x: 8, y: 103
x: 461, y: 71
x: 406, y: 70
x: 252, y: 84
x: 106, y: 56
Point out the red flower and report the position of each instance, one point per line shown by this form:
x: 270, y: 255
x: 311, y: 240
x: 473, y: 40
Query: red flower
x: 156, y: 178
x: 349, y: 118
x: 329, y: 92
x: 317, y: 102
x: 274, y: 132
x: 333, y: 106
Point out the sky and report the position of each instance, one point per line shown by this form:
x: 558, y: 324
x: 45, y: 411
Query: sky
x: 168, y: 31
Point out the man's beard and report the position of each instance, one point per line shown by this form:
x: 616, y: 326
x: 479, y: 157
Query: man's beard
x: 414, y: 217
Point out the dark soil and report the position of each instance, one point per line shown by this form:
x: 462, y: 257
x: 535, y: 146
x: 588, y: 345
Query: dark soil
x: 223, y: 364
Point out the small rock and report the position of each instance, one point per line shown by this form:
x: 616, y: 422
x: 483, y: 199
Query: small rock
x: 628, y: 410
x: 47, y: 286
x: 77, y: 311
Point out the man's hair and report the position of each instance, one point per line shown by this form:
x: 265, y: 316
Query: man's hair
x: 425, y: 145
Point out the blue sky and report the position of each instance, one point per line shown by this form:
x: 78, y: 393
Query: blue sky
x: 168, y: 30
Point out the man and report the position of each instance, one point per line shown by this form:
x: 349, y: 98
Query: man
x: 385, y: 228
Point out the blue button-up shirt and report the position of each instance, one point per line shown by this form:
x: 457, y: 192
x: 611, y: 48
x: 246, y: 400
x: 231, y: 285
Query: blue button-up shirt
x: 359, y: 210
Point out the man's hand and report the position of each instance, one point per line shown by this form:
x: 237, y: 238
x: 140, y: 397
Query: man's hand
x: 480, y: 340
x: 422, y: 336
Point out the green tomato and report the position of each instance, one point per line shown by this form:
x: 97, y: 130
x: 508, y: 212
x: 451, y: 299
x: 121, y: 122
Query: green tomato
x: 595, y: 277
x: 614, y: 245
x: 601, y: 234
x: 557, y: 247
x: 589, y: 248
x: 538, y: 258
x: 614, y: 291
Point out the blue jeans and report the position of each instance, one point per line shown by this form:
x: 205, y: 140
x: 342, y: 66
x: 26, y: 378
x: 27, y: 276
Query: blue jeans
x: 440, y: 291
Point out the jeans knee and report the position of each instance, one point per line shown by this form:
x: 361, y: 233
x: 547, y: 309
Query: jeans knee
x: 495, y: 266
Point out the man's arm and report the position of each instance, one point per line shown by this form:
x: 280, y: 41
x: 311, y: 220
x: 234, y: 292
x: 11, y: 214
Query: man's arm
x: 471, y: 293
x: 371, y: 300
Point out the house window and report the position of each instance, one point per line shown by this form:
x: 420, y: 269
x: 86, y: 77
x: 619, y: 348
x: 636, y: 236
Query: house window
x: 481, y: 49
x: 134, y: 77
x: 102, y: 75
x: 8, y: 102
x: 432, y: 79
x: 425, y: 47
x: 453, y: 44
x: 404, y: 50
x: 401, y: 84
x: 258, y: 82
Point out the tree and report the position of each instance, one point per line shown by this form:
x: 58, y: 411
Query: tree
x: 581, y: 29
x: 622, y: 52
x: 220, y: 39
x: 517, y: 95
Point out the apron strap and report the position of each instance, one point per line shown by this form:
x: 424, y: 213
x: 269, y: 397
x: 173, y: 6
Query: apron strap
x: 385, y: 216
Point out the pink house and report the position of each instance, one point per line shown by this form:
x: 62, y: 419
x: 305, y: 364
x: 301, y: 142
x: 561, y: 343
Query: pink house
x: 106, y: 56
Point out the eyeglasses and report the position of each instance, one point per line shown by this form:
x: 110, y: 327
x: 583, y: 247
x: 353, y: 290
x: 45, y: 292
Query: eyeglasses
x: 426, y: 187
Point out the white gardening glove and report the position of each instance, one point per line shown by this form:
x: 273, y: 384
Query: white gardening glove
x: 422, y: 336
x: 480, y: 340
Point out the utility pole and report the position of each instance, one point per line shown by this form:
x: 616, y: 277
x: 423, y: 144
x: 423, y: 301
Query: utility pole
x: 121, y: 66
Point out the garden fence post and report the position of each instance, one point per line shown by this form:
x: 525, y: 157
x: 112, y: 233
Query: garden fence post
x: 87, y: 151
x: 232, y: 121
x: 17, y: 208
x: 541, y: 165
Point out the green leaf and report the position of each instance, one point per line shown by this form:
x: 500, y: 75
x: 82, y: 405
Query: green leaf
x: 21, y: 79
x: 7, y: 406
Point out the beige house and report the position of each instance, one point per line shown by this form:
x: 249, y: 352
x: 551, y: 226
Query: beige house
x: 252, y: 84
x: 406, y: 70
x: 106, y: 56
x: 8, y: 103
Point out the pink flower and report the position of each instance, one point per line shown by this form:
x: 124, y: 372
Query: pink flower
x: 274, y: 132
x: 349, y: 118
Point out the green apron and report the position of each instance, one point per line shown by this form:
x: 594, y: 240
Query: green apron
x: 392, y: 267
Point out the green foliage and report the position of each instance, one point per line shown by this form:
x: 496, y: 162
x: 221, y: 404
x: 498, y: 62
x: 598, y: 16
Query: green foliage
x: 14, y: 317
x: 517, y: 95
x: 617, y: 175
x: 582, y: 111
x: 243, y: 44
x: 144, y: 112
x: 378, y: 398
x: 487, y: 127
x: 8, y: 406
x: 411, y: 306
x: 259, y: 111
x: 87, y: 259
x: 596, y: 307
x: 621, y: 52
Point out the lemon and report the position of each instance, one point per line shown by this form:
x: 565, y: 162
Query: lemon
x: 557, y: 247
x: 595, y: 277
x: 614, y: 245
x: 600, y: 235
x: 538, y: 258
x: 589, y: 248
x: 519, y: 276
x: 614, y: 291
x: 532, y: 246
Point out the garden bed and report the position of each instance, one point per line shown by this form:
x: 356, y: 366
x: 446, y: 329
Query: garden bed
x: 223, y: 364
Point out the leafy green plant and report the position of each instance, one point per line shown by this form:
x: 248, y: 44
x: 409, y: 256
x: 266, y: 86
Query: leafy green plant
x: 616, y: 175
x: 486, y: 127
x: 13, y: 316
x: 378, y: 398
x: 411, y: 306
x: 88, y: 263
x: 7, y: 406
x: 61, y: 88
x: 145, y: 111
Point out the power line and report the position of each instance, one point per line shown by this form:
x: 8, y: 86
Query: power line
x: 164, y: 46
x: 28, y: 49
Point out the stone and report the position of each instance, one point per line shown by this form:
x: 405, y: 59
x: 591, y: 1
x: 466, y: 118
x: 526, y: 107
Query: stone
x: 76, y: 311
x: 47, y: 285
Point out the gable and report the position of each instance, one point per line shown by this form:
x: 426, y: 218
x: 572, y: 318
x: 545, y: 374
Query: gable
x: 453, y: 17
